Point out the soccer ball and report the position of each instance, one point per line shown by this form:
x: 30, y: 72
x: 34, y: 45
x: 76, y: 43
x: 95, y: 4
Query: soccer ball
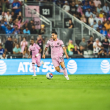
x: 49, y: 75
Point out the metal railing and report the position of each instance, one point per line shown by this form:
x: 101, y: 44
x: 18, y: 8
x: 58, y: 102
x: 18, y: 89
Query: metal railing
x: 83, y: 25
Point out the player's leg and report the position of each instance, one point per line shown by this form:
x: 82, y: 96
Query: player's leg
x: 56, y: 65
x: 64, y: 69
x: 38, y: 62
x: 33, y: 66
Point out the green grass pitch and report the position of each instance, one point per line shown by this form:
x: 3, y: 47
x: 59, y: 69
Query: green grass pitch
x: 81, y: 92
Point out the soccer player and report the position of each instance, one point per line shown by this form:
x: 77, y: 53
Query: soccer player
x: 36, y: 55
x: 57, y: 48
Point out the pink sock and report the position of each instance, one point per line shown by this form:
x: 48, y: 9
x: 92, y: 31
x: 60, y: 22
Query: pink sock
x: 33, y: 66
x: 61, y: 71
x: 65, y: 72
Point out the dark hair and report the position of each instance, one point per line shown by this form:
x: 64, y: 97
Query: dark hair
x: 54, y: 32
x: 91, y: 36
x: 1, y: 45
x: 32, y: 39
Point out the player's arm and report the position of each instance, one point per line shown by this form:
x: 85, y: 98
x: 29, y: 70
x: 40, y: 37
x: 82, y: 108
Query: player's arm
x: 44, y: 52
x: 64, y: 49
x: 46, y: 47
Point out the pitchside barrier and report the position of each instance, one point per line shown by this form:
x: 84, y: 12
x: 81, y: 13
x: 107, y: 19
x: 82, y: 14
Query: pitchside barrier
x: 74, y: 66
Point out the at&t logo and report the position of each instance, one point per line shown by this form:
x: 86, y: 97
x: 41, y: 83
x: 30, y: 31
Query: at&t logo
x: 105, y: 66
x: 72, y: 66
x: 3, y: 67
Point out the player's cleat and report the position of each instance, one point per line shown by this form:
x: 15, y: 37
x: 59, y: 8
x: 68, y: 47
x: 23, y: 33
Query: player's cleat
x: 34, y: 75
x: 67, y: 77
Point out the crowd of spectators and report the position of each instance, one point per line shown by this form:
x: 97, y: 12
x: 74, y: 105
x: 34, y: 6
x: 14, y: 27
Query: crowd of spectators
x: 91, y: 12
x: 93, y: 47
x: 15, y: 49
x: 12, y: 22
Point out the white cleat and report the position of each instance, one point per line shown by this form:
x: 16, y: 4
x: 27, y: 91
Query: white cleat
x: 34, y: 75
x: 67, y: 78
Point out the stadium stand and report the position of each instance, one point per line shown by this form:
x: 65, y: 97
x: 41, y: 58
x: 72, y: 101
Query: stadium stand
x: 19, y: 22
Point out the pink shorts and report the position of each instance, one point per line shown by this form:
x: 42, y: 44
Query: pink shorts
x: 56, y: 61
x: 36, y: 60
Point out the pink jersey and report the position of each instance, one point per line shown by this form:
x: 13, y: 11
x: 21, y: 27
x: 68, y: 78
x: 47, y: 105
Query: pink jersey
x: 23, y: 44
x: 35, y: 49
x: 56, y: 48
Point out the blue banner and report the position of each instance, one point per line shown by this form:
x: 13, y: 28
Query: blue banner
x: 74, y: 66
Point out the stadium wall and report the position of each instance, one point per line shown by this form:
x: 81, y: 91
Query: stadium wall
x: 74, y: 66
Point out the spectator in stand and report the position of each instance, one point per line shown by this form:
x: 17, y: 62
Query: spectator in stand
x: 30, y: 24
x: 70, y: 45
x: 16, y: 7
x: 5, y: 5
x: 33, y: 30
x: 66, y: 6
x: 105, y: 44
x: 95, y: 25
x: 107, y: 25
x: 24, y: 43
x: 88, y: 13
x: 4, y: 56
x: 19, y: 16
x: 8, y: 17
x: 17, y: 49
x: 5, y: 21
x: 9, y: 45
x: 102, y: 53
x: 81, y: 50
x: 106, y: 8
x: 92, y: 7
x: 75, y: 50
x: 83, y: 19
x: 26, y: 52
x: 90, y: 43
x: 79, y: 9
x: 104, y: 19
x: 108, y: 34
x: 91, y: 20
x: 108, y: 16
x: 97, y: 18
x: 100, y: 25
x: 21, y: 30
x: 103, y: 31
x: 96, y: 46
x: 1, y: 50
x: 94, y: 14
x: 11, y: 23
x: 99, y: 8
x: 71, y: 52
x: 13, y: 16
x: 86, y: 7
x: 83, y: 43
x: 40, y: 42
x: 101, y: 14
x: 15, y: 41
x: 91, y: 2
x: 26, y: 25
x: 26, y: 31
x: 70, y: 24
x: 7, y: 29
x: 73, y: 8
x: 42, y: 30
x: 0, y: 8
x: 16, y: 31
x: 97, y: 3
x: 83, y: 2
